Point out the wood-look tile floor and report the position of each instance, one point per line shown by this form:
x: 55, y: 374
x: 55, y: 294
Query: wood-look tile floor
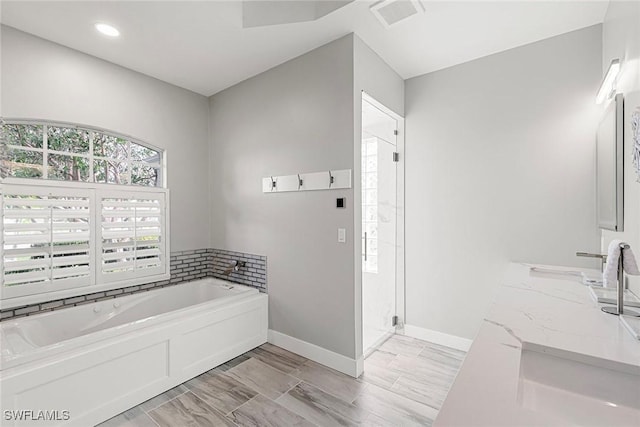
x: 404, y: 383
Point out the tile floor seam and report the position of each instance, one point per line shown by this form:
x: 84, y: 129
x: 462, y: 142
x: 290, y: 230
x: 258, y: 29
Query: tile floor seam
x: 309, y: 382
x: 257, y: 394
x: 252, y: 356
x: 246, y: 382
x: 151, y: 418
x: 239, y: 381
x: 366, y: 385
x: 328, y: 392
x: 394, y: 383
x: 297, y: 413
x: 417, y: 401
x: 276, y: 402
x: 220, y: 410
x: 280, y: 370
x: 403, y: 398
x: 175, y: 397
x: 215, y: 410
x: 327, y: 409
x: 289, y: 389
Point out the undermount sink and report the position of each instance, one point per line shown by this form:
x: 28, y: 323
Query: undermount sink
x: 577, y: 389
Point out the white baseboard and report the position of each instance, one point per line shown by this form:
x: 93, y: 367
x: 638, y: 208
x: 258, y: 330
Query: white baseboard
x: 351, y: 367
x: 436, y: 337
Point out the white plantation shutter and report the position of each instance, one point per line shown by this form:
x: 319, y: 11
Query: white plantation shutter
x: 47, y: 239
x: 63, y: 237
x: 133, y: 236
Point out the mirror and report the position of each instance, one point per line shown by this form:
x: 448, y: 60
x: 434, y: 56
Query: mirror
x: 610, y: 166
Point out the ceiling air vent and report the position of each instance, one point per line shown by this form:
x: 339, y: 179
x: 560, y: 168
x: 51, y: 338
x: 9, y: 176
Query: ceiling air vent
x: 390, y: 12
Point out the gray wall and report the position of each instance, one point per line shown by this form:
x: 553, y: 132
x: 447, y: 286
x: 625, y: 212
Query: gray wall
x: 43, y: 80
x: 621, y: 39
x: 377, y: 78
x: 296, y: 117
x: 500, y: 167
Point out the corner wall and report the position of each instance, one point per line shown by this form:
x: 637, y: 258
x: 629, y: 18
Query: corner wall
x: 296, y: 117
x: 621, y: 39
x: 500, y: 167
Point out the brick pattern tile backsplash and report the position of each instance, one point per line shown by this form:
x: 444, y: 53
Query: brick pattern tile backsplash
x: 253, y: 273
x: 184, y: 266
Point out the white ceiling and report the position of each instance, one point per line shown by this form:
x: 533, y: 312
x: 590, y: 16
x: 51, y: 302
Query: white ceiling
x: 203, y: 47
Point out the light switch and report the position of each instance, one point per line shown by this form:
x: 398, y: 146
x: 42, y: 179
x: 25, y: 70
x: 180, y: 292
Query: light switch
x: 342, y: 235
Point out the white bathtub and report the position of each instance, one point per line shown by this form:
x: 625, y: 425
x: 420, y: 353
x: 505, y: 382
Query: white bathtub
x: 97, y: 360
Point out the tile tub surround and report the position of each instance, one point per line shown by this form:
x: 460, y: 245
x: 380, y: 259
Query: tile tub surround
x: 552, y: 312
x: 270, y: 386
x: 254, y: 273
x: 185, y: 266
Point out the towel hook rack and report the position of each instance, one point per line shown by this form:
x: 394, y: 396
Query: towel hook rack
x: 324, y: 180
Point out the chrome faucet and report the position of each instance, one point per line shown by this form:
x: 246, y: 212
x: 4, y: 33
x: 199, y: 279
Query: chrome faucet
x: 234, y: 266
x: 603, y: 258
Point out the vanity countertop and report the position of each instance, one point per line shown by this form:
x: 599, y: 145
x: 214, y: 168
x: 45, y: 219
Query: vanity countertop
x: 531, y: 308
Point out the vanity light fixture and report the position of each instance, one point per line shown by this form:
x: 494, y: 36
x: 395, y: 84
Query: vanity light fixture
x: 607, y: 85
x: 107, y: 30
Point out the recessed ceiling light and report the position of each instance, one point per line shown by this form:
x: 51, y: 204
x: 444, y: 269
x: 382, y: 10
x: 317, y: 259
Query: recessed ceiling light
x: 108, y: 30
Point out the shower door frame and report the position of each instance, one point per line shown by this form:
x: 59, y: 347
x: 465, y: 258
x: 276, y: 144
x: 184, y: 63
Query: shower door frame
x: 400, y: 227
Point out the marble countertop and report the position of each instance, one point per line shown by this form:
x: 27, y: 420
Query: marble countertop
x: 530, y: 308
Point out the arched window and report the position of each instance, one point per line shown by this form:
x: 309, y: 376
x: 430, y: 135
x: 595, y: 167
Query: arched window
x: 76, y: 153
x: 83, y: 210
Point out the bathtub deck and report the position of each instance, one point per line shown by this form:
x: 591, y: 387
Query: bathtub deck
x: 405, y: 383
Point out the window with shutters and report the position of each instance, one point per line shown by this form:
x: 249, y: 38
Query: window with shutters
x: 71, y: 231
x: 47, y: 240
x: 132, y: 234
x: 60, y: 240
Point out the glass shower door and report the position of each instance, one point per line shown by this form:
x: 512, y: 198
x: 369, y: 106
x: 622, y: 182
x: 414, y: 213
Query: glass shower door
x: 379, y: 209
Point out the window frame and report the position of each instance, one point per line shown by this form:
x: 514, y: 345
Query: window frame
x: 96, y: 213
x: 162, y: 170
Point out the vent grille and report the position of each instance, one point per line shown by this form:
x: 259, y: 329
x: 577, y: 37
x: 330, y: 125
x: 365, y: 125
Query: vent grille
x: 390, y: 12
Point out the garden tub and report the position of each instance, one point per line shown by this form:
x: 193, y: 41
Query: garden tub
x: 83, y: 365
